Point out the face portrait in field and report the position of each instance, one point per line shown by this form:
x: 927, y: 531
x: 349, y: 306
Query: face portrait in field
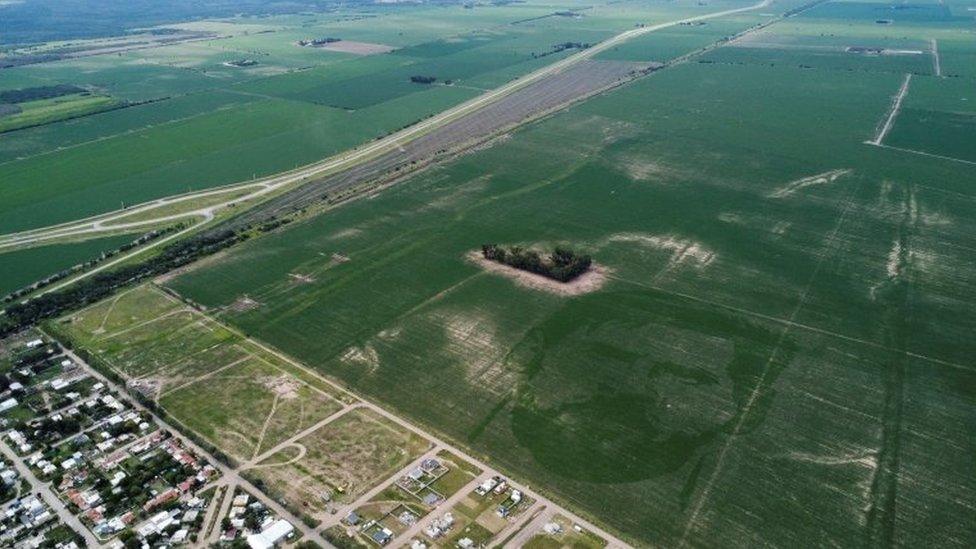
x: 614, y: 398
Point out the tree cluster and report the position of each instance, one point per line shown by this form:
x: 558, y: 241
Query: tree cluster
x: 556, y: 48
x: 420, y: 79
x: 38, y: 92
x: 562, y: 264
x: 319, y: 41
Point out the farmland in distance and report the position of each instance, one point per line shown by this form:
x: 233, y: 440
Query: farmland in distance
x: 780, y: 355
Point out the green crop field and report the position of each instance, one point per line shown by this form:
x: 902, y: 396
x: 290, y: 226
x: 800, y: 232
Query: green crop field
x: 203, y: 123
x: 24, y: 267
x: 780, y: 354
x: 36, y: 113
x: 773, y: 349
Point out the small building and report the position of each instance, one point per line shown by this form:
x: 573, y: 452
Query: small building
x: 271, y: 536
x: 8, y: 404
x: 416, y: 474
x: 382, y: 536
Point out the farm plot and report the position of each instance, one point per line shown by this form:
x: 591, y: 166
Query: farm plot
x: 338, y: 461
x: 937, y: 117
x: 37, y: 113
x: 533, y: 100
x: 748, y: 373
x: 247, y: 407
x: 21, y: 268
x: 242, y: 399
x: 33, y: 141
x: 211, y: 122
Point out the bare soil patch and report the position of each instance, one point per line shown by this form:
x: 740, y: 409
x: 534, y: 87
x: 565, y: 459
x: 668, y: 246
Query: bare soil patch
x: 357, y: 48
x: 284, y: 387
x: 243, y: 304
x: 299, y: 278
x: 590, y: 281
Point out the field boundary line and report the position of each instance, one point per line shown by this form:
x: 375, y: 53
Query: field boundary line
x: 923, y: 153
x: 892, y: 112
x: 108, y: 313
x: 142, y: 324
x: 293, y: 439
x: 302, y: 452
x: 204, y: 376
x: 794, y: 324
x: 91, y: 306
x: 760, y: 386
x: 264, y: 427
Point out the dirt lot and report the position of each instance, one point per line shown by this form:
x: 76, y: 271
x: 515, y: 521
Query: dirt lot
x: 358, y: 48
x: 341, y: 460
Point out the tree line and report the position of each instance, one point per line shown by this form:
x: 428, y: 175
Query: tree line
x: 562, y: 264
x: 101, y: 285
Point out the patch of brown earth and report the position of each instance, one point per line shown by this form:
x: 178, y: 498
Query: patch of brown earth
x: 357, y: 48
x: 282, y: 386
x: 299, y: 278
x: 243, y: 304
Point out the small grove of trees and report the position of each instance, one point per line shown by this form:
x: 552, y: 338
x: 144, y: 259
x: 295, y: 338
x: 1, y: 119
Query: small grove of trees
x: 319, y: 41
x: 556, y: 48
x: 420, y: 79
x: 562, y: 264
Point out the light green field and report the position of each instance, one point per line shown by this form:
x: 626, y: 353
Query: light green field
x: 44, y: 111
x: 242, y: 399
x: 248, y: 408
x: 785, y: 322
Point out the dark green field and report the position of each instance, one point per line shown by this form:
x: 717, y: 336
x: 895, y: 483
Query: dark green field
x: 782, y: 353
x: 195, y: 123
x: 24, y: 267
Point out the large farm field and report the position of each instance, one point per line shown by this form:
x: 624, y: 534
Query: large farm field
x: 198, y: 121
x: 239, y: 398
x: 780, y: 354
x: 769, y: 340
